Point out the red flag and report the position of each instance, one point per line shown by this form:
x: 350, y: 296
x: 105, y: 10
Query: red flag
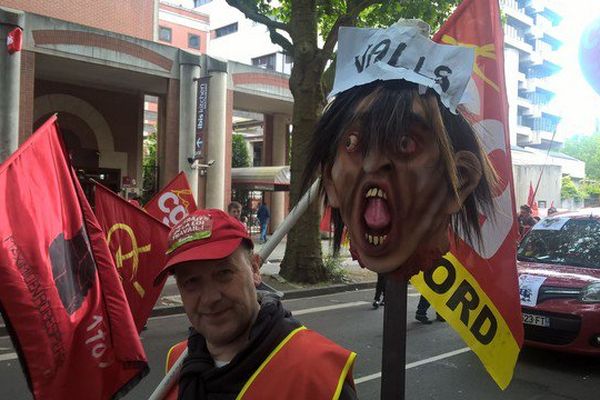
x: 59, y: 290
x: 325, y: 224
x: 138, y: 243
x: 172, y: 203
x: 531, y: 201
x: 492, y: 327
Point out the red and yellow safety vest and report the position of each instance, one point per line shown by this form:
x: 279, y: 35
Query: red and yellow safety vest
x: 305, y: 365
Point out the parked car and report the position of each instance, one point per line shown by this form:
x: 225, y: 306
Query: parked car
x: 559, y: 282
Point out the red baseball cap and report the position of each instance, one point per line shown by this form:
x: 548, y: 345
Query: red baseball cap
x: 209, y: 234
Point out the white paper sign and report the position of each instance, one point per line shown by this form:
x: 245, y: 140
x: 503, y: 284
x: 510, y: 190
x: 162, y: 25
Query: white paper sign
x: 529, y: 287
x: 550, y: 224
x: 401, y: 52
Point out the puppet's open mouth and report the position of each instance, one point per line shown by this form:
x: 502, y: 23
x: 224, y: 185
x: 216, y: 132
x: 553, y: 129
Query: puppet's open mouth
x: 376, y: 216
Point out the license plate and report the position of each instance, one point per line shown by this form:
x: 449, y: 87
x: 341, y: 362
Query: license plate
x: 538, y: 320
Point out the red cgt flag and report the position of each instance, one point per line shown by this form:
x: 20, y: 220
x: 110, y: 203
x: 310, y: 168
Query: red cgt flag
x: 479, y: 295
x: 172, y: 203
x: 59, y: 290
x: 138, y: 243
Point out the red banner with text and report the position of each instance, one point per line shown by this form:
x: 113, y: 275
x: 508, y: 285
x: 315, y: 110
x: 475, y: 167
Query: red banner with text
x: 173, y: 202
x: 60, y: 294
x: 475, y: 287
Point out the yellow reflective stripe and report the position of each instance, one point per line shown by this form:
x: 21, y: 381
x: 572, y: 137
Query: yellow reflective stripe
x: 500, y: 355
x: 169, y: 356
x: 264, y: 364
x: 349, y: 362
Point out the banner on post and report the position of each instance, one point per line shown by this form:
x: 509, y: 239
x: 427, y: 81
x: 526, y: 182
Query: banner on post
x: 173, y: 202
x: 60, y: 293
x: 201, y: 117
x: 137, y: 242
x: 475, y: 287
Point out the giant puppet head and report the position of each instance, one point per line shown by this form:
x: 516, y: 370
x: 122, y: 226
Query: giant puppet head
x: 398, y: 166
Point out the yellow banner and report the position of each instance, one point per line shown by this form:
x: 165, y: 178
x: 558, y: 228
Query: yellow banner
x: 456, y: 296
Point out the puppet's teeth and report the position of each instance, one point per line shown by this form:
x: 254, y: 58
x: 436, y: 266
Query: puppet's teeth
x: 384, y: 195
x: 370, y: 239
x: 379, y: 193
x: 376, y: 240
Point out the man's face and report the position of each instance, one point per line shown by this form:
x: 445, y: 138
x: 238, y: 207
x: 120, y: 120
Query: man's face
x: 391, y: 201
x: 524, y: 212
x: 236, y: 213
x: 219, y: 296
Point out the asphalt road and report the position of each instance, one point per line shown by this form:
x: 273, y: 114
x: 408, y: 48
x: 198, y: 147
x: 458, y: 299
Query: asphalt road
x: 439, y: 366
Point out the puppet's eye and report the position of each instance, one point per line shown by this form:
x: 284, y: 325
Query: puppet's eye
x: 351, y: 142
x: 407, y: 145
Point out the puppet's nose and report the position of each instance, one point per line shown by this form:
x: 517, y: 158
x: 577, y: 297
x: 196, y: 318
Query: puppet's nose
x: 376, y: 161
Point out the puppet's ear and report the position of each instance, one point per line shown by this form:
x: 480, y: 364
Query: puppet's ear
x: 332, y: 197
x: 469, y: 174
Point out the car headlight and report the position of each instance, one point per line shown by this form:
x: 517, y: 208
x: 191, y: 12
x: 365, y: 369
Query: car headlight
x: 591, y: 293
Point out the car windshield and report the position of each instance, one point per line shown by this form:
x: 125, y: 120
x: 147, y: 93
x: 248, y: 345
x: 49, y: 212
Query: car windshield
x: 576, y: 243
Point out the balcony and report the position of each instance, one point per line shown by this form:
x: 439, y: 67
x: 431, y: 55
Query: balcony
x: 512, y: 10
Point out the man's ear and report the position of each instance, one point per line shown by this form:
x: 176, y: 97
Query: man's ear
x: 256, y: 262
x: 469, y: 173
x: 332, y: 197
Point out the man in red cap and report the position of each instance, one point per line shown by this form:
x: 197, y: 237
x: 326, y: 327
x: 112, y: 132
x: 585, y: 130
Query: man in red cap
x: 242, y: 347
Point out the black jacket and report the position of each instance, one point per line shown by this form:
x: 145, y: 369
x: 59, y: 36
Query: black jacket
x: 201, y: 380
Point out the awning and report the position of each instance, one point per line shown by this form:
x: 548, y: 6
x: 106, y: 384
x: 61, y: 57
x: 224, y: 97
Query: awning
x: 261, y: 178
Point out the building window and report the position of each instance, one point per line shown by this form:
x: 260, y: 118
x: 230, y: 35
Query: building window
x: 198, y: 3
x: 194, y: 41
x: 226, y: 30
x: 164, y: 34
x: 267, y: 62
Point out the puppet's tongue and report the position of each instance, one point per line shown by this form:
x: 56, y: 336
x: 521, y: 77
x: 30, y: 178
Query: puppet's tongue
x: 377, y: 214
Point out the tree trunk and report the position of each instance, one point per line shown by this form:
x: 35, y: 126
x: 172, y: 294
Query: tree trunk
x: 303, y: 257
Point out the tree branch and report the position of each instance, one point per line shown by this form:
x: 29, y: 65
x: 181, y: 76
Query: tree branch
x: 255, y: 15
x: 281, y: 40
x: 348, y: 19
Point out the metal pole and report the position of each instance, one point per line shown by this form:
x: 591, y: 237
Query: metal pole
x: 393, y: 372
x: 173, y: 375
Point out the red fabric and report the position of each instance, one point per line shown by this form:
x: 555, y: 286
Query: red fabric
x: 477, y: 23
x: 173, y: 202
x: 317, y: 365
x: 174, y: 354
x: 325, y: 225
x: 137, y: 242
x: 59, y: 290
x: 531, y: 201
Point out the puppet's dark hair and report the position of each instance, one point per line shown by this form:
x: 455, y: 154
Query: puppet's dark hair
x: 383, y: 110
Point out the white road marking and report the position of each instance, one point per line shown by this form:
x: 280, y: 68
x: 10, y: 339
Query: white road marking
x: 8, y: 356
x: 416, y: 364
x: 329, y: 308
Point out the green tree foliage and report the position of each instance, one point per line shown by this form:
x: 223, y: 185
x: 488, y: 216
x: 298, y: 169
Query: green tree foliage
x: 149, y: 173
x: 586, y: 148
x: 568, y: 190
x: 241, y: 158
x: 296, y: 25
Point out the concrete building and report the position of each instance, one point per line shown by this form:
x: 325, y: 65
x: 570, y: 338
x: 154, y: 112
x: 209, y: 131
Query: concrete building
x: 99, y: 68
x: 531, y: 39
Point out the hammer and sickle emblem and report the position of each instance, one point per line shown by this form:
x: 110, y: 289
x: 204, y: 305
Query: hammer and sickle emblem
x: 134, y: 254
x: 485, y: 51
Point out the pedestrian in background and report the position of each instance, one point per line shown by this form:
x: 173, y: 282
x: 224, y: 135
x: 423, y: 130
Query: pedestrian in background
x: 263, y: 216
x: 379, y: 299
x: 422, y: 308
x: 235, y: 210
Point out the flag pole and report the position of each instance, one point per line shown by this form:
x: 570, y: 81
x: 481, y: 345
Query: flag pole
x: 171, y: 377
x: 393, y: 371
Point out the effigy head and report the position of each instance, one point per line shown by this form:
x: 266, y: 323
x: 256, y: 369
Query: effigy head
x: 399, y: 169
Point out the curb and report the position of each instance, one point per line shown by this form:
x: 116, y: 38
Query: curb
x: 288, y: 295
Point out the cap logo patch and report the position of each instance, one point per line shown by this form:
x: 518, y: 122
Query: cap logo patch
x: 194, y: 227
